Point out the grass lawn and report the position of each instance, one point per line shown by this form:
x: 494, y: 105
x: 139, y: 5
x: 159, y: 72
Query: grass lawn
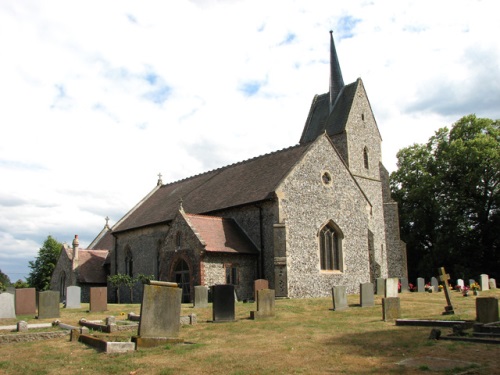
x: 305, y: 337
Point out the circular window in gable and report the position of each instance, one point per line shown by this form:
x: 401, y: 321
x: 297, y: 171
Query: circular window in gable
x: 326, y: 178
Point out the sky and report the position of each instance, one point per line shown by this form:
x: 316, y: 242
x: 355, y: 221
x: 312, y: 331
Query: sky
x: 99, y: 97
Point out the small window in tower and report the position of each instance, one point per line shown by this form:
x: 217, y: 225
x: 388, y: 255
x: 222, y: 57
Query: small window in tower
x: 363, y: 117
x: 365, y: 158
x: 178, y: 240
x: 326, y: 178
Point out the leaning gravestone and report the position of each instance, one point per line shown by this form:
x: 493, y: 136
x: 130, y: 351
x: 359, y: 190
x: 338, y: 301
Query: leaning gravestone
x: 404, y: 285
x: 391, y: 287
x: 7, y: 309
x: 483, y: 282
x: 265, y: 304
x: 391, y: 308
x: 339, y: 298
x: 487, y: 310
x: 25, y: 301
x: 200, y: 296
x: 223, y: 306
x: 420, y: 285
x: 258, y: 285
x: 366, y: 297
x: 434, y: 284
x: 493, y: 284
x: 444, y: 277
x: 98, y: 299
x: 48, y: 304
x: 73, y: 297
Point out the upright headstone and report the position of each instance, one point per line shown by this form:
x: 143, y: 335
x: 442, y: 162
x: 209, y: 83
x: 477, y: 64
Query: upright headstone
x: 160, y: 310
x: 48, y: 304
x: 444, y: 277
x: 265, y: 304
x: 200, y: 296
x: 339, y: 298
x: 25, y: 301
x: 460, y: 283
x: 404, y: 285
x: 493, y: 284
x: 258, y: 285
x: 11, y: 290
x: 487, y: 310
x: 7, y: 309
x: 380, y: 286
x: 73, y: 297
x: 434, y: 284
x: 472, y: 281
x: 98, y: 299
x: 420, y: 285
x: 483, y: 282
x: 391, y: 287
x: 366, y: 297
x: 391, y: 308
x: 223, y: 306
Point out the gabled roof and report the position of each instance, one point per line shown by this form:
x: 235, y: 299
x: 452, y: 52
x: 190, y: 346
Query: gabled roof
x: 104, y: 240
x: 246, y: 182
x: 90, y: 266
x: 221, y: 234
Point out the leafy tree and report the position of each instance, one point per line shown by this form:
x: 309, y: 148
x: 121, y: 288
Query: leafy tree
x: 44, y: 264
x: 4, y: 281
x: 123, y: 280
x: 20, y: 284
x: 449, y: 197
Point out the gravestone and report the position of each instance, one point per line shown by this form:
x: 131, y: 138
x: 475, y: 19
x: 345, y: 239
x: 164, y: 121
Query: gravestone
x: 25, y: 301
x: 48, y: 304
x: 444, y: 277
x: 160, y: 310
x: 460, y: 283
x: 258, y: 285
x: 223, y: 306
x: 391, y: 287
x: 265, y: 304
x: 380, y: 286
x: 98, y: 299
x: 7, y: 308
x: 434, y: 284
x: 487, y: 310
x: 493, y: 284
x: 420, y: 285
x: 483, y: 282
x: 472, y: 281
x: 366, y: 296
x: 22, y: 326
x: 404, y: 285
x: 73, y: 297
x: 11, y: 290
x: 339, y: 298
x: 200, y: 296
x: 391, y: 308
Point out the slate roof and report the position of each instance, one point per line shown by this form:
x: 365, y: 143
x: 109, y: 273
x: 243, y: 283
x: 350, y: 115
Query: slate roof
x: 104, y: 240
x: 242, y: 183
x: 320, y: 120
x: 90, y: 266
x: 221, y: 234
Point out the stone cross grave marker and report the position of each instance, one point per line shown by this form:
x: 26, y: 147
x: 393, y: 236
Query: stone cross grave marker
x: 25, y: 301
x: 258, y: 285
x: 391, y: 287
x: 487, y: 310
x: 339, y: 298
x: 444, y: 277
x: 434, y: 284
x: 48, y: 304
x: 366, y: 297
x: 223, y: 306
x: 7, y: 309
x: 98, y: 299
x: 404, y: 285
x: 493, y: 284
x: 200, y: 296
x: 483, y: 282
x: 265, y: 304
x: 420, y: 285
x: 73, y: 297
x: 380, y: 283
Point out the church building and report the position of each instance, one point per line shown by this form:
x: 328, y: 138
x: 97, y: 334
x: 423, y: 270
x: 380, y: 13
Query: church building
x: 315, y: 215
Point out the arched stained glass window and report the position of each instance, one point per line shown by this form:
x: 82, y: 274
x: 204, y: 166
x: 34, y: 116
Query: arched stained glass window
x: 330, y: 243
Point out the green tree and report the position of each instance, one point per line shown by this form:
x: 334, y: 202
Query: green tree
x: 448, y: 195
x: 44, y: 264
x: 4, y: 281
x: 20, y: 284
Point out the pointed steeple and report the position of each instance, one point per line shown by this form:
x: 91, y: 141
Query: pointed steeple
x: 336, y: 80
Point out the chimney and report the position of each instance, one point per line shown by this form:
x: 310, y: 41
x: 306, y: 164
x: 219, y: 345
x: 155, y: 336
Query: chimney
x: 76, y: 243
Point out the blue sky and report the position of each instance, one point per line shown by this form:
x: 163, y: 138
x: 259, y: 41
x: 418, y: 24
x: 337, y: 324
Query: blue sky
x: 98, y: 97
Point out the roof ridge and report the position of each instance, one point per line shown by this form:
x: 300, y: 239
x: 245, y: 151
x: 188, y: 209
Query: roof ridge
x: 209, y: 216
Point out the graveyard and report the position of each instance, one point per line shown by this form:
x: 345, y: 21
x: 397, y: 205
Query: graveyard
x: 301, y: 336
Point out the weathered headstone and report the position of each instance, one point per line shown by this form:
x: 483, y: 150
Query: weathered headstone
x: 380, y: 284
x: 160, y: 310
x: 391, y: 287
x: 48, y: 304
x: 339, y: 298
x: 487, y: 310
x: 22, y: 326
x: 7, y: 309
x: 200, y: 296
x: 483, y: 282
x: 73, y: 297
x: 258, y: 285
x: 472, y: 281
x: 493, y: 284
x: 460, y: 283
x: 366, y: 297
x: 435, y: 284
x: 223, y: 306
x: 420, y: 285
x: 391, y: 308
x: 98, y: 299
x: 444, y: 277
x: 404, y: 285
x: 25, y: 301
x: 265, y: 304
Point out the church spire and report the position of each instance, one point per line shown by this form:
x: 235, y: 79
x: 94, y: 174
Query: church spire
x: 336, y: 80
